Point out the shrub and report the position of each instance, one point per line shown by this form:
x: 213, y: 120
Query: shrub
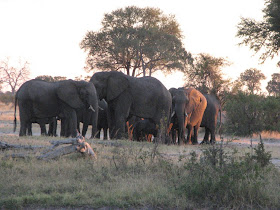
x: 221, y: 180
x: 7, y: 98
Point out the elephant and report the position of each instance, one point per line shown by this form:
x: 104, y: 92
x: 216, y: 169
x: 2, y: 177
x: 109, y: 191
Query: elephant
x: 188, y: 106
x: 39, y: 99
x: 142, y: 128
x: 42, y: 123
x: 209, y: 120
x: 144, y: 97
x: 102, y: 119
x: 86, y: 117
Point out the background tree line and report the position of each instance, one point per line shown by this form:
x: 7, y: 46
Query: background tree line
x: 140, y: 41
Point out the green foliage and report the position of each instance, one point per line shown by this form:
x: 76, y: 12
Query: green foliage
x: 248, y: 114
x: 206, y: 74
x: 136, y: 40
x: 221, y: 180
x: 273, y: 86
x: 7, y: 97
x: 261, y: 156
x: 251, y: 79
x: 264, y: 34
x: 49, y: 78
x: 271, y: 109
x: 244, y: 114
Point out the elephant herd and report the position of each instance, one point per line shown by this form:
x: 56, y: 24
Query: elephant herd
x: 114, y: 101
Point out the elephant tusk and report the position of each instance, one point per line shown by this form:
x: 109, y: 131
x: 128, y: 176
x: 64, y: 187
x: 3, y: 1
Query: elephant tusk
x: 186, y: 114
x: 91, y: 108
x: 173, y: 113
x: 100, y: 108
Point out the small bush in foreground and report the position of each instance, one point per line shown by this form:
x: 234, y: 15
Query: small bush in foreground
x: 221, y: 180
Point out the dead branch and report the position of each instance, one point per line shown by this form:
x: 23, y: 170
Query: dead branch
x: 57, y: 153
x: 77, y: 144
x: 4, y: 145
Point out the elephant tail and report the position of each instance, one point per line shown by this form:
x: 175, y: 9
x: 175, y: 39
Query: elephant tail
x: 220, y: 125
x: 15, y: 114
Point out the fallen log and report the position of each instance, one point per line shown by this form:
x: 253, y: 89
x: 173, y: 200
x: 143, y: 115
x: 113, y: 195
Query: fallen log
x: 5, y: 145
x: 78, y: 144
x: 65, y: 141
x: 57, y: 153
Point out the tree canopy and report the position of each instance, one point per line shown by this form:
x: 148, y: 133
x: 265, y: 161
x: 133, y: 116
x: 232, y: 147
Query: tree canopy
x: 251, y: 78
x: 49, y: 78
x: 273, y: 86
x: 206, y: 74
x: 263, y: 35
x: 137, y: 41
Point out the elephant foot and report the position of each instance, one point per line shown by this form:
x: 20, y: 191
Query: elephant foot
x: 194, y: 143
x: 212, y: 142
x: 204, y: 142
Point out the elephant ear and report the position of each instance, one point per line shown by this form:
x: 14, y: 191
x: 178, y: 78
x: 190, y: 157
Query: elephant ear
x: 68, y: 92
x: 116, y: 85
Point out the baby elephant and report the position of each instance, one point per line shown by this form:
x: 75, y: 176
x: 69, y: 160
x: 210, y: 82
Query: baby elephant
x: 143, y: 128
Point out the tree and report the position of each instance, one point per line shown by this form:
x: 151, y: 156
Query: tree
x: 244, y: 114
x: 14, y: 76
x: 265, y: 34
x: 273, y: 86
x: 206, y: 74
x: 136, y: 40
x: 49, y: 78
x: 251, y: 79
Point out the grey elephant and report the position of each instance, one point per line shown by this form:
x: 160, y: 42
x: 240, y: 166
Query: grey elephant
x: 188, y: 106
x: 42, y: 123
x: 144, y: 97
x: 87, y: 117
x: 39, y: 99
x: 209, y: 120
x: 143, y: 128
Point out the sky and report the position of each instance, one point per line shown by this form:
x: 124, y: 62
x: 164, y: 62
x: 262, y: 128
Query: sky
x: 47, y: 33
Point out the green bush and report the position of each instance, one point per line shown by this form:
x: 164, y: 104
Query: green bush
x: 7, y: 98
x: 249, y: 113
x: 221, y: 180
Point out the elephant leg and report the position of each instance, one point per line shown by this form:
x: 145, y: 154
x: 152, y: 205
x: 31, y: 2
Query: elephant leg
x: 121, y: 113
x: 105, y: 135
x: 29, y: 129
x: 195, y: 135
x: 213, y: 137
x: 70, y: 122
x: 111, y: 121
x: 43, y: 129
x: 63, y: 127
x: 206, y: 136
x: 120, y: 128
x: 190, y: 130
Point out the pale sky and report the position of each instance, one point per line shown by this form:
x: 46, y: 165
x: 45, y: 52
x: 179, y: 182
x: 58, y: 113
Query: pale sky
x: 47, y: 33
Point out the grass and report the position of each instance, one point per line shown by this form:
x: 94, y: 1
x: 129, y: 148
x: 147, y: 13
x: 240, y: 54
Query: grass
x: 141, y: 175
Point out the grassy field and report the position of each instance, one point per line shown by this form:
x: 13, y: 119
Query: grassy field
x: 144, y: 175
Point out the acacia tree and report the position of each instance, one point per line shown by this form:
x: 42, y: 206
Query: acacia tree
x: 265, y: 34
x: 14, y: 76
x: 273, y: 86
x: 136, y: 40
x: 251, y: 79
x: 206, y: 75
